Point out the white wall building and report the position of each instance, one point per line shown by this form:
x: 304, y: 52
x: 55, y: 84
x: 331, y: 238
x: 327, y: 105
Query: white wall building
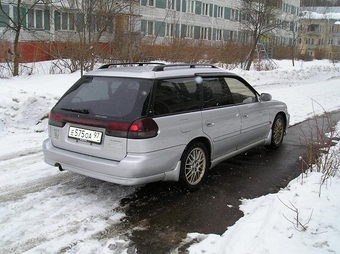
x: 211, y: 20
x: 158, y: 21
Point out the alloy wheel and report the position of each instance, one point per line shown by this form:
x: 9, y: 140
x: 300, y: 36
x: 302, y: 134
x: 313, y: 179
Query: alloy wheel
x: 195, y: 166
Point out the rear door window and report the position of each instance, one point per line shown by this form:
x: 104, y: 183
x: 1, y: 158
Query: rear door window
x: 176, y: 96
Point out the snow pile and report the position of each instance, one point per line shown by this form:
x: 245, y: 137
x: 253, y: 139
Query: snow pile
x: 314, y: 15
x: 295, y: 220
x: 24, y: 108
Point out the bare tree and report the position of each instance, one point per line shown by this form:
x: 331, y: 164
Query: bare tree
x: 127, y: 41
x: 16, y: 23
x: 94, y: 23
x: 258, y: 19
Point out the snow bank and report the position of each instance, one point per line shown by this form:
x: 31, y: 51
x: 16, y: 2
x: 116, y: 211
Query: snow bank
x: 301, y: 218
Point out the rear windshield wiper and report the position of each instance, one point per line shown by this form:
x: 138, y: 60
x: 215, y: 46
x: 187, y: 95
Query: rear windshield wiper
x: 77, y: 110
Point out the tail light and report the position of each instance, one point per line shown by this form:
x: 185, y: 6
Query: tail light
x: 139, y: 129
x: 56, y: 119
x: 143, y: 128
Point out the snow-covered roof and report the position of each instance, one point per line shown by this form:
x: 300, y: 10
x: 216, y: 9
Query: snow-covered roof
x: 320, y: 13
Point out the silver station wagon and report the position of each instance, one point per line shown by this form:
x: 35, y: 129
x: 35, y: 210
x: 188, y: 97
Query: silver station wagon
x: 144, y: 122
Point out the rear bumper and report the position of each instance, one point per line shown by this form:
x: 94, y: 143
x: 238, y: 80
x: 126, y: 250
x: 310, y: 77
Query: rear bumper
x: 134, y: 169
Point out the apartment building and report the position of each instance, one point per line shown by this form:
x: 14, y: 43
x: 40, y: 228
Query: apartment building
x: 155, y: 21
x: 319, y: 32
x: 217, y: 20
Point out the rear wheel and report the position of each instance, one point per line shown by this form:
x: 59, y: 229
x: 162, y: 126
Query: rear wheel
x: 194, y: 166
x: 278, y: 131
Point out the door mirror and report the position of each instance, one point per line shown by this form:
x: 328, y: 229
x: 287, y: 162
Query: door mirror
x: 266, y: 97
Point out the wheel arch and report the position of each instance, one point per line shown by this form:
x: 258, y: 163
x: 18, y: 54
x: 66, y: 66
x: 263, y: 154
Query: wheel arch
x: 285, y: 118
x: 206, y: 142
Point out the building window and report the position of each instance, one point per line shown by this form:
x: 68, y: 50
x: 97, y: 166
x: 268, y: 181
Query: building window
x: 205, y: 9
x: 204, y: 32
x: 190, y: 32
x: 31, y: 19
x: 66, y: 21
x: 219, y: 34
x: 171, y: 4
x: 39, y: 19
x: 231, y: 35
x: 150, y: 28
x: 313, y: 28
x: 233, y: 14
x: 35, y: 19
x: 220, y: 12
x: 286, y: 8
x: 71, y: 21
x: 169, y: 29
x: 150, y: 3
x: 309, y: 41
x: 191, y: 4
x: 330, y: 41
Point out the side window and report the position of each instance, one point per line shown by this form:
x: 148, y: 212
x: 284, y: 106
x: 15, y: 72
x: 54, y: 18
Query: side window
x: 240, y: 92
x: 176, y: 96
x: 216, y: 93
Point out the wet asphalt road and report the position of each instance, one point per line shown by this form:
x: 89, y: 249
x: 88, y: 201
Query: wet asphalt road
x: 163, y: 214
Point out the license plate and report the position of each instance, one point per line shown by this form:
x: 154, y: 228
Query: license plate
x: 85, y: 135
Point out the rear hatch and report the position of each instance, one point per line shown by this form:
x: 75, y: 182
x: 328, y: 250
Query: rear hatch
x: 95, y: 115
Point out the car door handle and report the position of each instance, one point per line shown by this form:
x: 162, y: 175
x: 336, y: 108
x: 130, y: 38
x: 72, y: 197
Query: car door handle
x: 209, y: 124
x: 245, y: 116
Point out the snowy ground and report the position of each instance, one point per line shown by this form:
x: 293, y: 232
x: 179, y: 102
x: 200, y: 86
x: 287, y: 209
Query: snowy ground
x: 45, y: 211
x: 302, y: 218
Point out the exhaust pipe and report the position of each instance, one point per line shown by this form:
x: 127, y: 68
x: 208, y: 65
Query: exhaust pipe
x: 60, y: 167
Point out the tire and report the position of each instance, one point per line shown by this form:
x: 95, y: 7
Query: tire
x: 278, y: 132
x: 194, y: 166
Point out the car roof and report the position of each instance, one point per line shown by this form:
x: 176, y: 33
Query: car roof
x: 156, y: 70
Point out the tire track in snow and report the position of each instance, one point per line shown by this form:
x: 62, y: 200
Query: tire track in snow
x: 77, y: 205
x: 27, y: 168
x: 13, y: 193
x: 64, y: 236
x: 21, y: 153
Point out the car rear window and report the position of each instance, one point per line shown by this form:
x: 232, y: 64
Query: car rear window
x: 122, y: 99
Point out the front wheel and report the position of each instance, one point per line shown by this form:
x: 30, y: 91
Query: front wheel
x: 194, y: 166
x: 278, y: 131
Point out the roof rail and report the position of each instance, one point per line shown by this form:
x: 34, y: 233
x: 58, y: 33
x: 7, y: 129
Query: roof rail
x: 162, y: 67
x: 106, y: 66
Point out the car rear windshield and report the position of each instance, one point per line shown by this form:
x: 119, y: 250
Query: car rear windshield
x: 120, y: 99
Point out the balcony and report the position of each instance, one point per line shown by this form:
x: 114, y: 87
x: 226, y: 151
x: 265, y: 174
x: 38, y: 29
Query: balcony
x: 312, y: 46
x: 313, y: 33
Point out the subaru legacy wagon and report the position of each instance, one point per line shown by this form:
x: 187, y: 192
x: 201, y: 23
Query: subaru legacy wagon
x: 139, y: 123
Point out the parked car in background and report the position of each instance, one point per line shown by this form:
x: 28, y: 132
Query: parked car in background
x: 144, y: 122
